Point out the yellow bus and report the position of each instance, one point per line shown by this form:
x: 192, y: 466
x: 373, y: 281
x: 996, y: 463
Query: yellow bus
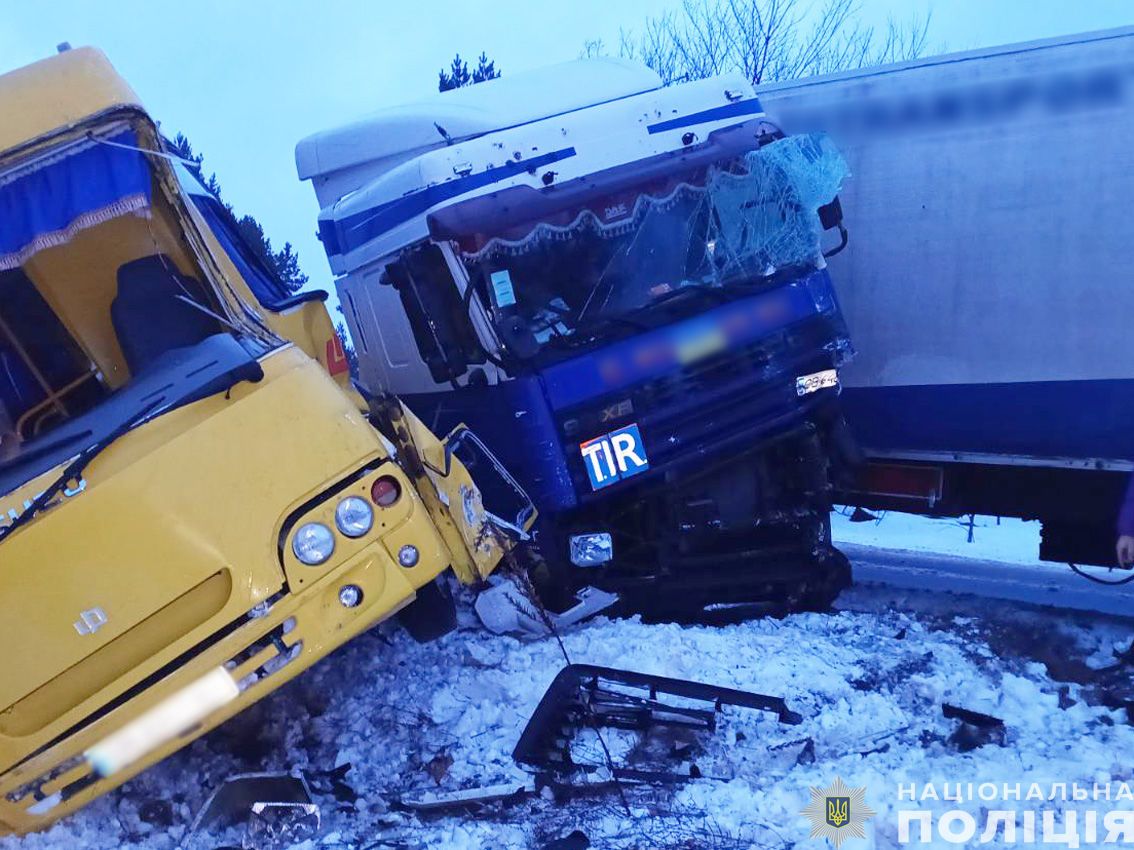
x: 193, y: 508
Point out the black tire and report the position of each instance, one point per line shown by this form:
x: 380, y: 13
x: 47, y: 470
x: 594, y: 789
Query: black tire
x: 432, y: 615
x: 835, y: 576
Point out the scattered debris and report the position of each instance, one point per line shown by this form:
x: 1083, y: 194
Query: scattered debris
x: 976, y: 729
x: 576, y: 840
x: 433, y: 801
x: 333, y: 782
x: 1118, y: 701
x: 1066, y: 701
x: 438, y: 766
x: 585, y: 696
x: 237, y: 799
x: 504, y: 608
x: 807, y: 754
x: 486, y: 657
x: 156, y: 813
x: 278, y: 826
x: 1125, y: 656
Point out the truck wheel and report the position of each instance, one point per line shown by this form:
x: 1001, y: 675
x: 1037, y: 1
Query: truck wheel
x: 432, y: 615
x: 835, y: 576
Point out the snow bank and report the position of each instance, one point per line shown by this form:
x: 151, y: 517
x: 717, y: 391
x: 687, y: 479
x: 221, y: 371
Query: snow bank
x: 1009, y: 540
x: 869, y: 683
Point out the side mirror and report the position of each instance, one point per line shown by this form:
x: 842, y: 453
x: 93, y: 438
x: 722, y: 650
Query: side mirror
x: 831, y: 215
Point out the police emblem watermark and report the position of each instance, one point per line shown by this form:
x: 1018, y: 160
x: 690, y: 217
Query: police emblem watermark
x: 838, y: 812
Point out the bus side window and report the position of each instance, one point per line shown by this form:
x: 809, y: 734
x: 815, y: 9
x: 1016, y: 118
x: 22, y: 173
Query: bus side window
x: 441, y: 328
x: 36, y: 350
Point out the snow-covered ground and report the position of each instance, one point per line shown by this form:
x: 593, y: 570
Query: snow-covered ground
x: 869, y: 680
x: 1009, y: 540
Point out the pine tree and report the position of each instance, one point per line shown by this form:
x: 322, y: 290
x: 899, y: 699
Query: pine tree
x: 348, y: 348
x: 459, y: 76
x: 485, y: 70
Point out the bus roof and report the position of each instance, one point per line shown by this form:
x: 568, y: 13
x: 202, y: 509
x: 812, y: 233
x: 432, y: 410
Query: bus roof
x: 58, y: 92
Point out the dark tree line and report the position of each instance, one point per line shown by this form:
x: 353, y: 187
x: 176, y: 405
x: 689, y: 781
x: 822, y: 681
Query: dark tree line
x: 459, y: 76
x: 766, y: 40
x: 285, y: 261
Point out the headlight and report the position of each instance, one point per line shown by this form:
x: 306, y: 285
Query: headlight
x: 354, y: 516
x: 408, y: 556
x: 313, y: 543
x: 590, y: 550
x: 350, y: 595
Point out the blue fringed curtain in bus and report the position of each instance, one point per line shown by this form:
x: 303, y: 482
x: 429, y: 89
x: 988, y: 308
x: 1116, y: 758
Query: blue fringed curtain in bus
x: 46, y: 202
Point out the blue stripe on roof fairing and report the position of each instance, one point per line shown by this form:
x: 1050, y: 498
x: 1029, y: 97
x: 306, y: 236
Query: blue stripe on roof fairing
x: 345, y: 235
x: 731, y: 110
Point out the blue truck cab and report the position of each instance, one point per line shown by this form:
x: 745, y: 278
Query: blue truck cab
x: 622, y: 288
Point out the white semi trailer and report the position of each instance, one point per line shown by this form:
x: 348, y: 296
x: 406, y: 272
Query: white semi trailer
x: 988, y: 283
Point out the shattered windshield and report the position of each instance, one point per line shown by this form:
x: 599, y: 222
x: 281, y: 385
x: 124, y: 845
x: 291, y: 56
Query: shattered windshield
x: 716, y: 231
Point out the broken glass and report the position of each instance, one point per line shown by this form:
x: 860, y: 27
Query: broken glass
x: 766, y: 215
x: 698, y: 231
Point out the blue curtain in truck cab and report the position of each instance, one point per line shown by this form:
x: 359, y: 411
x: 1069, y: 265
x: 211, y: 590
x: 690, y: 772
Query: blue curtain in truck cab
x: 47, y: 201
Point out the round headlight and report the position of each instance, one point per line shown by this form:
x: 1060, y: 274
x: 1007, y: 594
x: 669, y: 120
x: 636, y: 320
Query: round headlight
x: 350, y: 595
x: 408, y: 556
x: 313, y: 543
x: 354, y: 516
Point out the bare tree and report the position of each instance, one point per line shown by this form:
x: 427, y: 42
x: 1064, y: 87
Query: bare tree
x: 766, y: 40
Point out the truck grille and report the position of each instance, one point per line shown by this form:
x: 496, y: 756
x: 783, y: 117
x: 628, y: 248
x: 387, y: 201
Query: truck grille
x: 731, y: 399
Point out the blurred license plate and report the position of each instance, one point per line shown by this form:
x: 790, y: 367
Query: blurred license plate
x: 816, y: 381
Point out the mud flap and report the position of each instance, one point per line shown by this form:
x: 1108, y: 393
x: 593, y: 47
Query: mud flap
x: 432, y: 615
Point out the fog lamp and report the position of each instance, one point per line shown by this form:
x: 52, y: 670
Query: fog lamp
x: 408, y: 556
x: 592, y: 549
x: 350, y: 595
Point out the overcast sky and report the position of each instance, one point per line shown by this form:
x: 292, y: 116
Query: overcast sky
x: 246, y: 80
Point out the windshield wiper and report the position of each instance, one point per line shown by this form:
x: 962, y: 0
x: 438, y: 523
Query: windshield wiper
x: 683, y: 291
x: 44, y: 449
x: 589, y: 330
x: 74, y: 470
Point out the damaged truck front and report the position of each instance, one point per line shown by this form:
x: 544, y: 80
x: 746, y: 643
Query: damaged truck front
x: 192, y: 509
x: 622, y: 286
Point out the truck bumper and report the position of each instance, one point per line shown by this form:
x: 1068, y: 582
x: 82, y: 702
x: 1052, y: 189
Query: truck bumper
x: 750, y: 526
